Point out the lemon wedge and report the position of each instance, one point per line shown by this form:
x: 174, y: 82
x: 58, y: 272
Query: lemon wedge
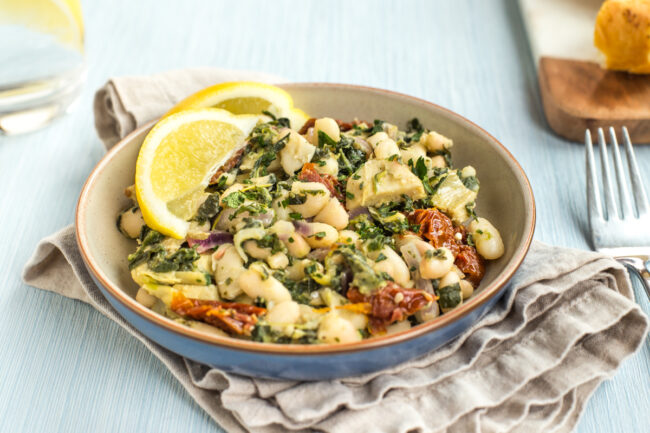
x: 60, y: 18
x: 245, y: 97
x: 177, y: 159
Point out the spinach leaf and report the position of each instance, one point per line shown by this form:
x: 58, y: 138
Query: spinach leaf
x: 450, y: 296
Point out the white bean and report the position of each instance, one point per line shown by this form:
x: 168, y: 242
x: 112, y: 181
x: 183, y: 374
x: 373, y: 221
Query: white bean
x: 228, y: 265
x: 437, y: 161
x: 394, y: 266
x: 329, y: 127
x: 278, y: 260
x: 296, y: 152
x: 330, y: 166
x: 145, y: 298
x: 297, y: 245
x: 358, y: 320
x: 131, y: 222
x: 253, y: 250
x: 385, y: 149
x: 324, y: 235
x: 335, y: 329
x: 375, y: 139
x: 413, y: 153
x: 348, y: 237
x: 254, y: 283
x: 316, y: 197
x: 333, y: 214
x: 436, y: 263
x: 468, y: 171
x: 283, y: 315
x: 487, y: 239
x: 449, y: 279
x: 436, y: 142
x: 466, y: 288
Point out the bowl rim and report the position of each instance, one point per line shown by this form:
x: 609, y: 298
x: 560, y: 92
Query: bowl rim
x: 310, y: 350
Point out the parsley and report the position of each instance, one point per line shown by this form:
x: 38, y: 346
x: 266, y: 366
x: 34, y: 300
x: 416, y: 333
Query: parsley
x: 234, y: 199
x: 325, y: 140
x: 378, y: 126
x: 450, y: 296
x: 208, y: 209
x: 349, y: 195
x: 295, y: 215
x: 414, y: 126
x: 438, y: 253
x: 380, y: 257
x: 320, y: 235
x: 471, y: 183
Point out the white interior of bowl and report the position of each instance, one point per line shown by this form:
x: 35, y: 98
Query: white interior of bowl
x: 504, y: 197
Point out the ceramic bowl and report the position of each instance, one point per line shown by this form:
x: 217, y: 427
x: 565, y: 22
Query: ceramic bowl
x: 505, y: 199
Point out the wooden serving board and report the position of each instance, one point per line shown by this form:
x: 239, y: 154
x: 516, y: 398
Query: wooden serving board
x: 577, y: 93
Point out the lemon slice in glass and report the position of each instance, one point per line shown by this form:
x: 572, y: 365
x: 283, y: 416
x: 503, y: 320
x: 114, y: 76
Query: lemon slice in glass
x: 177, y: 159
x: 245, y: 97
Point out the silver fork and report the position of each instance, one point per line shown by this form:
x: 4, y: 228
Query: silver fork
x: 623, y: 234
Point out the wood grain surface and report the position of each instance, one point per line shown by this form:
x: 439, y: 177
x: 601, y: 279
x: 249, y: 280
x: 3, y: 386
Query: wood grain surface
x: 579, y: 94
x: 66, y: 368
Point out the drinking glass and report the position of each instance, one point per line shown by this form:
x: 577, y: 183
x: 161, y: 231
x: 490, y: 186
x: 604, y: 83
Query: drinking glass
x: 41, y: 61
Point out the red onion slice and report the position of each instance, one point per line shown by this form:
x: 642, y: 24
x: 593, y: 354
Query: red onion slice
x: 213, y: 240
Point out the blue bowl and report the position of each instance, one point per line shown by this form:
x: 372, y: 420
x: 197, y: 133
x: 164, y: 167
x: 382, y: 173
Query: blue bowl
x: 506, y: 199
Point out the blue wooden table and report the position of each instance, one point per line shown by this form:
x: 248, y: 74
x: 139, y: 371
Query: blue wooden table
x: 64, y: 367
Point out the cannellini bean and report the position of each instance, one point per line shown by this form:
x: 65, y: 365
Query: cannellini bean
x: 228, y: 265
x: 394, y: 266
x: 375, y: 139
x: 316, y: 197
x: 253, y: 250
x: 335, y: 329
x: 255, y: 283
x: 324, y: 235
x: 429, y: 314
x: 348, y: 237
x: 437, y: 161
x: 413, y: 153
x: 358, y: 320
x: 398, y: 327
x: 283, y: 315
x: 449, y: 279
x: 436, y: 142
x: 278, y: 260
x: 466, y: 288
x: 296, y: 271
x: 329, y: 127
x: 486, y: 238
x: 436, y: 263
x: 296, y: 152
x: 385, y: 149
x: 468, y: 171
x: 297, y: 245
x: 333, y: 214
x: 145, y: 298
x: 131, y: 222
x: 330, y: 166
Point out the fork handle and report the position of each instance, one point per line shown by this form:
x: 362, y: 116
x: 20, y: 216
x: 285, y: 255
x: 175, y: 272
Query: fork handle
x: 639, y: 268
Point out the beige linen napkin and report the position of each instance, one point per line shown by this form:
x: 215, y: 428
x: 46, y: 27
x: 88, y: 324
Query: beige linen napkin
x: 529, y: 365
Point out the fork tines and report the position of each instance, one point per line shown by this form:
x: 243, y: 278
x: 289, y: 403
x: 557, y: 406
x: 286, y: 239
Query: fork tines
x: 628, y: 206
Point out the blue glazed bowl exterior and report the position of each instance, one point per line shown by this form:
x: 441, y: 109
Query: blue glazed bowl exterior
x: 506, y: 199
x: 300, y: 367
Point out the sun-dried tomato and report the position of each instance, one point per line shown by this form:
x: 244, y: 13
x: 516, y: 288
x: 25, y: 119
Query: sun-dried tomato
x: 437, y: 228
x: 471, y: 264
x: 390, y: 304
x: 232, y: 317
x: 232, y: 162
x: 310, y: 174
